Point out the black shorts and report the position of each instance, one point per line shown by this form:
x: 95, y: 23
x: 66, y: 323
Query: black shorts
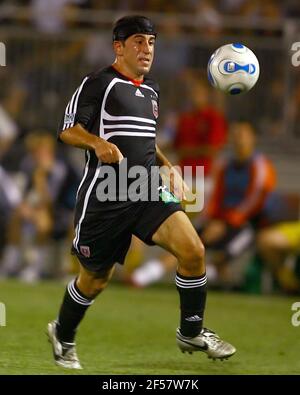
x: 105, y: 237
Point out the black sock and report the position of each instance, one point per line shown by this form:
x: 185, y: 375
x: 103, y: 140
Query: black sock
x: 192, y: 292
x: 71, y: 312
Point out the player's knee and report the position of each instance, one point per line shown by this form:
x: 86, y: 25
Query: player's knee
x: 192, y: 256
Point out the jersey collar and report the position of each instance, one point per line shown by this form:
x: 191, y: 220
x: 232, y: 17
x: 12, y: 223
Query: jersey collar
x: 135, y: 82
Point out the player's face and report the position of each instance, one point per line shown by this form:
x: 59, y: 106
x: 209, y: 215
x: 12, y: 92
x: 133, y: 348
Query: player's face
x: 137, y: 53
x: 243, y: 139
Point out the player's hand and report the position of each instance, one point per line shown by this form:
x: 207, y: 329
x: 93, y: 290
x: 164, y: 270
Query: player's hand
x: 177, y: 185
x: 108, y: 152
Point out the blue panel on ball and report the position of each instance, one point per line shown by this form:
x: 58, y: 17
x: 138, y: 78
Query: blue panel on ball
x: 232, y: 67
x: 238, y: 45
x: 235, y: 91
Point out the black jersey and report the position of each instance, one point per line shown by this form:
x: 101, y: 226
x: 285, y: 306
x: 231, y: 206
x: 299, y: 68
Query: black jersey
x: 119, y: 110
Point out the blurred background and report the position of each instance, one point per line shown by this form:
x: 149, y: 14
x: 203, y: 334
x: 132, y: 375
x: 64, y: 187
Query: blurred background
x: 51, y: 45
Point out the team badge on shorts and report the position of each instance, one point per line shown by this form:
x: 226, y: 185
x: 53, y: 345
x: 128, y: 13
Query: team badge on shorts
x: 155, y: 108
x: 85, y: 251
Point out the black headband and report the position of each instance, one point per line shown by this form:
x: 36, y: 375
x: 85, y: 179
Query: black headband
x: 134, y: 24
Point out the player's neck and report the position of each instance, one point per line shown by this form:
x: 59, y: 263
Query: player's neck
x: 126, y: 72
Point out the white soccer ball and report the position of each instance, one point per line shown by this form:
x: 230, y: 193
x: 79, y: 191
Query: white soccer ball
x: 233, y: 68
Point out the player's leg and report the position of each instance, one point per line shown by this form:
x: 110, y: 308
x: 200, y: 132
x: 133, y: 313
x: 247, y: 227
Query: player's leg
x: 97, y: 249
x: 177, y: 235
x: 79, y: 295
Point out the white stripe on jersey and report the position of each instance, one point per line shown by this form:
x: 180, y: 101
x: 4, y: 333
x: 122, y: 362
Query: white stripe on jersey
x: 149, y: 87
x: 120, y: 133
x: 109, y: 117
x: 72, y: 106
x: 123, y: 126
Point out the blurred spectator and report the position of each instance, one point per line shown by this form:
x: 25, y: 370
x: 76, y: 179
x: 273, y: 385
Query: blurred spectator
x: 171, y: 49
x: 293, y: 110
x: 8, y: 131
x: 10, y: 197
x: 98, y: 50
x: 174, y: 55
x: 244, y: 181
x: 208, y: 18
x: 9, y: 193
x: 53, y: 16
x: 46, y: 210
x: 201, y: 133
x: 278, y: 248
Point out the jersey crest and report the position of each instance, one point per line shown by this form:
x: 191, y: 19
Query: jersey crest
x: 155, y: 108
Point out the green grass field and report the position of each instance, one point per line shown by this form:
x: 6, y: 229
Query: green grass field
x: 129, y: 331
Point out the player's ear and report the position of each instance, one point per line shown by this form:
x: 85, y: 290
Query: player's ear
x: 118, y: 47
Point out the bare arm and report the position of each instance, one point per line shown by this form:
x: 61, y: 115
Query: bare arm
x: 81, y: 138
x: 161, y: 159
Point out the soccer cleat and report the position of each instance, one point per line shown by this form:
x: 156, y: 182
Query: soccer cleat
x: 64, y: 353
x: 207, y: 341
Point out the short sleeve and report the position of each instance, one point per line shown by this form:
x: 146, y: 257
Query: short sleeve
x: 84, y: 105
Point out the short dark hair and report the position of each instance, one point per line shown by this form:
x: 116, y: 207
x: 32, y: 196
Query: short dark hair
x: 132, y: 24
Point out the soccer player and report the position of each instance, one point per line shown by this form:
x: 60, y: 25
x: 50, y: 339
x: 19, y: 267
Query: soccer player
x: 112, y: 116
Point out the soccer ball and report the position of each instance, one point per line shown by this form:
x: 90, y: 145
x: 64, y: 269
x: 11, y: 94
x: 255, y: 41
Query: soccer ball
x: 233, y: 68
